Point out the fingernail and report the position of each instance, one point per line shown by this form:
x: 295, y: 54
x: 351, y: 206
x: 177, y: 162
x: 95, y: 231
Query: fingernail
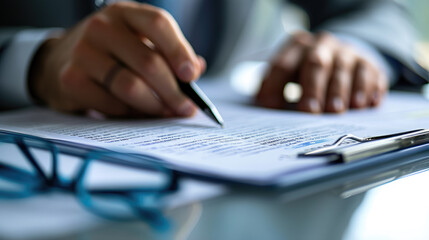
x: 338, y: 104
x: 359, y: 98
x: 313, y: 105
x: 186, y: 71
x: 187, y: 109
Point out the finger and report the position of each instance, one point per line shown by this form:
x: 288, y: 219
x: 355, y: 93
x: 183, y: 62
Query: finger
x: 340, y: 85
x: 147, y: 63
x: 134, y: 91
x: 281, y: 72
x: 162, y: 30
x: 125, y: 85
x: 380, y: 88
x: 363, y: 83
x: 314, y: 75
x: 80, y: 88
x: 283, y: 69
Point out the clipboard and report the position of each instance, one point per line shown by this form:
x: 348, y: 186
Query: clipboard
x: 357, y: 168
x: 347, y: 172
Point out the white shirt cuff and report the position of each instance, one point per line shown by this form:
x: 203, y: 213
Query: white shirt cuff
x: 14, y: 66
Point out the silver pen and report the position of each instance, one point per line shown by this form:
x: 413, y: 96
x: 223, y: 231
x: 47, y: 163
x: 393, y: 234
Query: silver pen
x: 372, y: 146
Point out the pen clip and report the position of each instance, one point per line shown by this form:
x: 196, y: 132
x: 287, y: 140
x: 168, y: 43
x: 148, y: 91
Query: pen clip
x: 371, y: 146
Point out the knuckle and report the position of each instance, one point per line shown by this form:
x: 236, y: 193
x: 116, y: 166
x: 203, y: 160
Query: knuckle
x: 283, y: 64
x: 343, y: 63
x: 160, y: 18
x: 180, y: 52
x: 348, y: 50
x: 326, y: 36
x: 316, y: 60
x: 117, y: 6
x: 302, y: 38
x: 301, y: 34
x: 96, y: 23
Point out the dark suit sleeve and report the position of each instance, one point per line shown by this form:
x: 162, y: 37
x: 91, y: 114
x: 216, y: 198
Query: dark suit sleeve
x: 384, y: 24
x: 6, y: 34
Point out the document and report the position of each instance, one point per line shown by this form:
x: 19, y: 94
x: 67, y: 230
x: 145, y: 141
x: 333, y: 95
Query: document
x: 255, y: 145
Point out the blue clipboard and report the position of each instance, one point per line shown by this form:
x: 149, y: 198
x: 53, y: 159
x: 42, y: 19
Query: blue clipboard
x: 408, y: 154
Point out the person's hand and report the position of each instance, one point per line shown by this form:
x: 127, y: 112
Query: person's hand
x: 122, y: 60
x: 333, y: 76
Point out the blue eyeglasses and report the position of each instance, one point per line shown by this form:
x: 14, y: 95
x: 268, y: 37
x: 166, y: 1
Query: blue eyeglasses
x: 121, y: 197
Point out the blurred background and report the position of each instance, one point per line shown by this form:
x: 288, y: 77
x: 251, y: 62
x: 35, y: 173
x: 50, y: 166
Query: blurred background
x: 420, y: 12
x: 419, y: 9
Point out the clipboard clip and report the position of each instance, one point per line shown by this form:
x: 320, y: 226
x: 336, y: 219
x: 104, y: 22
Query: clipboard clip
x: 370, y: 146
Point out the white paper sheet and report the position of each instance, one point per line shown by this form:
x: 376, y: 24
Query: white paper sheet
x: 256, y: 144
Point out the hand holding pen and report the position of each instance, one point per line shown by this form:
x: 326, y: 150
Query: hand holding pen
x: 122, y: 60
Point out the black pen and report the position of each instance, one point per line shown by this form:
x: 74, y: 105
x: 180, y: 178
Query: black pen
x: 201, y: 100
